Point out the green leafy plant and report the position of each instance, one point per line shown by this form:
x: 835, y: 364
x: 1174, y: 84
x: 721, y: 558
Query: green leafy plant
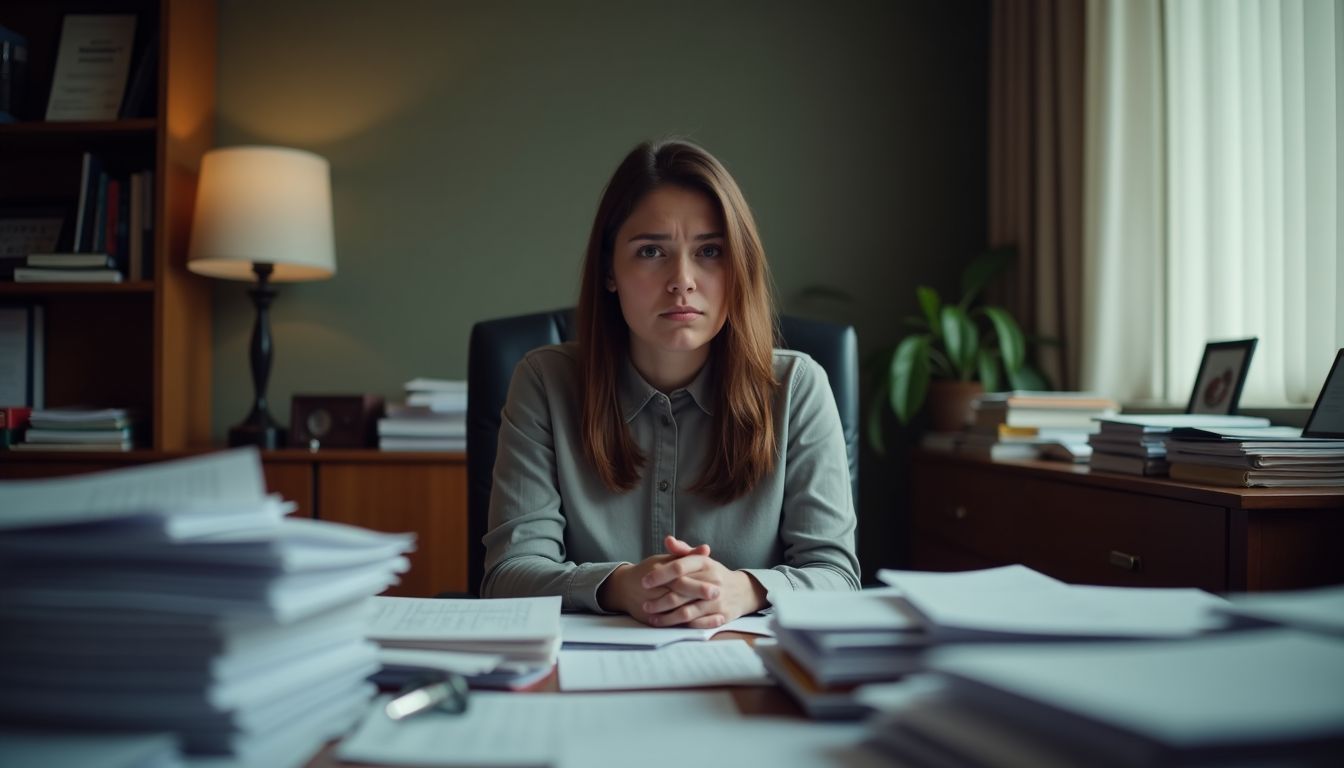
x: 963, y: 341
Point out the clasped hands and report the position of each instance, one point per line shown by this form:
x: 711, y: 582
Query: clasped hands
x: 683, y: 587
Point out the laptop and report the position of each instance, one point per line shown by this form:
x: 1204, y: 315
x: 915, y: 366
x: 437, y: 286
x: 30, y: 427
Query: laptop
x: 1327, y: 416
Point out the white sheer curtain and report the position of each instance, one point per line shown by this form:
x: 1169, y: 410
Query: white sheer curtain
x: 1212, y: 205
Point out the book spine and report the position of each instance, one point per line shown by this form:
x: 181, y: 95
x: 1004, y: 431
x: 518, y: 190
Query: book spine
x: 113, y: 216
x: 135, y: 229
x: 14, y: 417
x: 81, y: 213
x: 100, y: 217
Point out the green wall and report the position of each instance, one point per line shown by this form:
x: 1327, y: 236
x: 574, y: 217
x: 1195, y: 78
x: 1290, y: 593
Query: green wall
x: 469, y: 143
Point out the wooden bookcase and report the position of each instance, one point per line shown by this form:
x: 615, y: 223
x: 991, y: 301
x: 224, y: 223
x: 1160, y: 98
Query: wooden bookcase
x: 144, y: 344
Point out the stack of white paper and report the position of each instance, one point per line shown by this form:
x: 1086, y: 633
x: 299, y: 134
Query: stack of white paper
x: 523, y: 633
x: 1015, y: 603
x: 1251, y: 698
x: 178, y: 598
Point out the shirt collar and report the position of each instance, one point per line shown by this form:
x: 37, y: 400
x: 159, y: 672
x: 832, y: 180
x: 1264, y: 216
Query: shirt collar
x: 634, y: 392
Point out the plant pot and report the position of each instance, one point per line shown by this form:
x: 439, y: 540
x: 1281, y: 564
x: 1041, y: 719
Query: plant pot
x: 950, y: 403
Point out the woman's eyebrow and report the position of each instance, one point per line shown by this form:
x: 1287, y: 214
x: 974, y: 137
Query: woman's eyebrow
x: 661, y: 236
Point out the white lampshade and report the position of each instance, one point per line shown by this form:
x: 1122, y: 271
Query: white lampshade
x: 263, y: 204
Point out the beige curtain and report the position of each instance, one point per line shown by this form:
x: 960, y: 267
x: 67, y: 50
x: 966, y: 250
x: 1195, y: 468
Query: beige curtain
x: 1036, y: 171
x: 1213, y: 194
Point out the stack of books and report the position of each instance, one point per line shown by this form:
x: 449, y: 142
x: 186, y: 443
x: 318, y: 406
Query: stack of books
x: 833, y: 646
x: 178, y: 598
x: 1137, y: 445
x: 78, y: 429
x: 1016, y: 425
x: 113, y: 237
x: 433, y: 418
x: 13, y: 421
x: 829, y: 643
x: 1269, y: 457
x: 68, y: 268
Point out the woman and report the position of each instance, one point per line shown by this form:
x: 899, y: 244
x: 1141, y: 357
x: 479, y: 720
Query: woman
x: 671, y: 420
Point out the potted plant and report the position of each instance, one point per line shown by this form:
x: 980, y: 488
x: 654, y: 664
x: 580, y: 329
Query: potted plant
x: 957, y: 351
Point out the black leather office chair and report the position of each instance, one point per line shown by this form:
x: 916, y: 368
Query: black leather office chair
x: 498, y: 345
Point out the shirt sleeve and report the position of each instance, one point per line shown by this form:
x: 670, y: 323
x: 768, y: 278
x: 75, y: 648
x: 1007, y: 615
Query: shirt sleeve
x: 818, y: 521
x: 525, y: 544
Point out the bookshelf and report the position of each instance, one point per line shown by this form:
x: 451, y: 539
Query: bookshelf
x: 144, y: 344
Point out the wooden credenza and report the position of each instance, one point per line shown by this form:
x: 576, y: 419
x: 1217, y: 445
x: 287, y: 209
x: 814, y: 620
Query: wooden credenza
x: 1102, y: 528
x: 425, y: 493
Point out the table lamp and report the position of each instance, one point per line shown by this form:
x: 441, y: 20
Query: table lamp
x: 263, y: 212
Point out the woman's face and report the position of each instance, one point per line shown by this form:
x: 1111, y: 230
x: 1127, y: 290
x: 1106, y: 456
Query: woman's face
x: 669, y: 269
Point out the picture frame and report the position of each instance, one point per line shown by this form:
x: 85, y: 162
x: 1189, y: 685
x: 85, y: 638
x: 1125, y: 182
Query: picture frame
x: 1222, y: 374
x: 31, y: 229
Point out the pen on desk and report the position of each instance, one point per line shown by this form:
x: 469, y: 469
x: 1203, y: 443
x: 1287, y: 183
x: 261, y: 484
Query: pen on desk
x: 447, y: 693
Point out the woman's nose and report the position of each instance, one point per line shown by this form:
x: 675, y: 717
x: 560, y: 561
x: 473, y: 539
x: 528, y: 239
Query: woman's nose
x: 682, y: 279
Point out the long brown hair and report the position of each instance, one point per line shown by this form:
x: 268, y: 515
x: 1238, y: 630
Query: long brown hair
x: 743, y: 450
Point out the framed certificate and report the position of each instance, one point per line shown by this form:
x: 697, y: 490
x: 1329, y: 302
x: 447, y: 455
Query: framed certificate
x: 91, y: 67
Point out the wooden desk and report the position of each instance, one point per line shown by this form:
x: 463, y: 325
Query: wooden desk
x: 1102, y: 528
x: 425, y: 493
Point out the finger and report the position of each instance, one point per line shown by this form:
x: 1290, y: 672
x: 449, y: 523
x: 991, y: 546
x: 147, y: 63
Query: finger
x: 661, y: 575
x: 679, y: 548
x: 675, y: 546
x: 710, y: 621
x: 692, y: 587
x: 686, y: 613
x: 667, y: 602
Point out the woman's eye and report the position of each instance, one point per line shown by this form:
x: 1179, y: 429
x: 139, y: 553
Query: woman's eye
x: 649, y: 252
x: 711, y: 251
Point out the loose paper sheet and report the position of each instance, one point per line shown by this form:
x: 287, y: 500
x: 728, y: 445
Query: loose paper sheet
x: 683, y: 665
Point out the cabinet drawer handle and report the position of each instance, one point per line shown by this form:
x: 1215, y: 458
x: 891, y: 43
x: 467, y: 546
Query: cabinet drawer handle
x: 1125, y: 562
x: 959, y: 512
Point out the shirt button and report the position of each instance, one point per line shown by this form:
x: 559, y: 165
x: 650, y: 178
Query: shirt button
x: 662, y: 485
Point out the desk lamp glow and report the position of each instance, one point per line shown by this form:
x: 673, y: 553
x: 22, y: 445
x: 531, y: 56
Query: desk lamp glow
x: 263, y: 212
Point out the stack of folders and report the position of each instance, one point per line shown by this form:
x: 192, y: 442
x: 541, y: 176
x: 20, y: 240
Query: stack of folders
x: 179, y: 599
x: 1019, y: 424
x: 1267, y: 697
x: 79, y: 429
x: 831, y: 642
x: 1271, y: 457
x: 433, y: 418
x: 1136, y: 445
x: 520, y: 636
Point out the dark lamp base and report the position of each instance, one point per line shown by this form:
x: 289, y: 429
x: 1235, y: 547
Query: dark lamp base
x: 267, y: 438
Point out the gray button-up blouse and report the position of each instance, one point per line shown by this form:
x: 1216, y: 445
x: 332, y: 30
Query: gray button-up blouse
x: 555, y: 529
